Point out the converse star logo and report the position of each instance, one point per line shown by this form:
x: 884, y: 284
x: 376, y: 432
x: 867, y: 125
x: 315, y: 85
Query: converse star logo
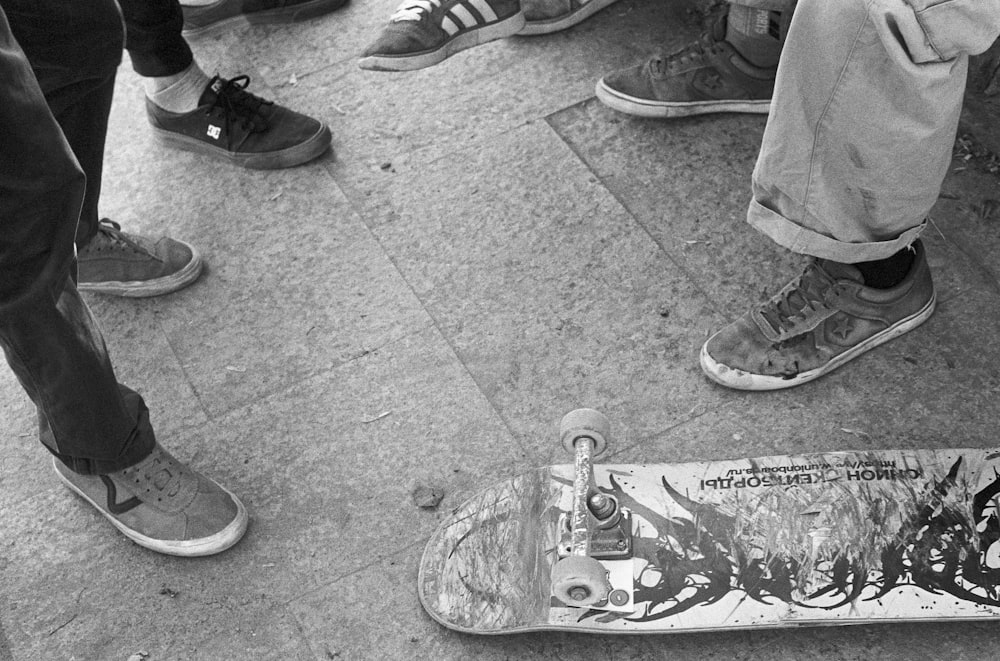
x: 844, y: 327
x: 214, y: 131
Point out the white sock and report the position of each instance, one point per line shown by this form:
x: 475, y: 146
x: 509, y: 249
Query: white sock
x: 180, y: 92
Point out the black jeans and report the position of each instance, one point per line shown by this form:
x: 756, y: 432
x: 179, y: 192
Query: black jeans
x: 55, y: 97
x: 153, y: 37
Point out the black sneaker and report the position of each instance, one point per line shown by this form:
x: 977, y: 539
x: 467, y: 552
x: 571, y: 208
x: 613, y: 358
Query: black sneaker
x: 704, y: 77
x: 422, y: 33
x: 163, y: 505
x: 134, y: 266
x: 224, y: 15
x: 235, y: 125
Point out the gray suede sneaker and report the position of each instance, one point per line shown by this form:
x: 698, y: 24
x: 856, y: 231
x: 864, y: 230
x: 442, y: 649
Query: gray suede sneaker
x: 706, y: 76
x: 133, y: 266
x: 818, y: 322
x: 224, y: 15
x: 163, y: 505
x: 548, y: 16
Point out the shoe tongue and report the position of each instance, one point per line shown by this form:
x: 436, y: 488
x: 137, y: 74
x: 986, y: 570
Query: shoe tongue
x: 839, y: 271
x: 211, y: 92
x: 720, y: 27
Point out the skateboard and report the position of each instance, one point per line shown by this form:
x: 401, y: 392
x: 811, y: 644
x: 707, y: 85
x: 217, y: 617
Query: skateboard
x: 806, y: 540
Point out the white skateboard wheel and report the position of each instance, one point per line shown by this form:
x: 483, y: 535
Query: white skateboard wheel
x: 586, y: 423
x: 580, y: 581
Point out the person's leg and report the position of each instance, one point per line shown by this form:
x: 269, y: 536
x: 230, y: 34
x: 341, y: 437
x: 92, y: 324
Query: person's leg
x: 98, y: 431
x: 730, y: 68
x: 854, y: 153
x: 859, y: 138
x: 210, y: 115
x: 79, y: 95
x: 49, y: 337
x: 153, y: 37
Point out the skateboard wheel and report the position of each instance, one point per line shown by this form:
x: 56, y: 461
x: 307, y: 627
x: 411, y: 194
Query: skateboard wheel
x: 580, y: 581
x: 585, y: 423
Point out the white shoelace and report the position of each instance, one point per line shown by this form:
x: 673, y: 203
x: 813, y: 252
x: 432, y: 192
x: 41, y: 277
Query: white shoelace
x: 412, y: 10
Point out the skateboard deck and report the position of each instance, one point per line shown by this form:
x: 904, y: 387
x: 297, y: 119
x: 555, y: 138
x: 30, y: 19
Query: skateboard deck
x: 820, y: 539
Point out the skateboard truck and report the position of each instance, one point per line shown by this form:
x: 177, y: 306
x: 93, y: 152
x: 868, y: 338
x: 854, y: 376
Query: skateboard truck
x: 596, y: 529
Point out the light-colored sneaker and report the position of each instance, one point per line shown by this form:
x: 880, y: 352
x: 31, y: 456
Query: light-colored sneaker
x: 548, y: 16
x: 818, y: 322
x: 123, y: 264
x: 163, y: 505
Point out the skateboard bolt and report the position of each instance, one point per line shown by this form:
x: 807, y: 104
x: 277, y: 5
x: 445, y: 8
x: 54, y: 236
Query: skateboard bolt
x: 601, y: 506
x: 579, y: 593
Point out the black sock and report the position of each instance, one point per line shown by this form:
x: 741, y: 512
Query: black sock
x: 888, y: 272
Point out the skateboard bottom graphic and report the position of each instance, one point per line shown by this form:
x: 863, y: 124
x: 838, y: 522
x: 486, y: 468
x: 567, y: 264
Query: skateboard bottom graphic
x: 810, y: 540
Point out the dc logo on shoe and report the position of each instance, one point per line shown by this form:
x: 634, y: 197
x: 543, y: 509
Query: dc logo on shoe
x: 214, y: 131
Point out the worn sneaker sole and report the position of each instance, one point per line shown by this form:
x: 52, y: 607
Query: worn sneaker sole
x: 740, y: 380
x: 147, y: 288
x: 305, y: 151
x: 632, y: 105
x: 550, y: 25
x: 194, y: 548
x: 278, y: 15
x: 413, y: 61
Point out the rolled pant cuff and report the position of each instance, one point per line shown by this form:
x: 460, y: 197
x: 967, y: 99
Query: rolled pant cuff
x: 805, y: 241
x: 84, y: 466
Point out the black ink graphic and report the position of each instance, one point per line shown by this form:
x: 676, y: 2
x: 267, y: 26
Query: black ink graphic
x: 874, y: 539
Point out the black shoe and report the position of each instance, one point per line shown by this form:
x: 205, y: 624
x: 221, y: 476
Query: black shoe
x: 234, y: 125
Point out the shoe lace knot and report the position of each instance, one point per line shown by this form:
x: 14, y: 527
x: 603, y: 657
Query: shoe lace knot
x: 111, y: 237
x: 240, y: 107
x: 801, y: 301
x: 694, y: 52
x: 414, y: 10
x: 160, y: 479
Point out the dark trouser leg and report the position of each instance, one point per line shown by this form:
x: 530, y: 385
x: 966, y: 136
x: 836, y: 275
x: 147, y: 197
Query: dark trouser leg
x: 46, y: 331
x: 153, y: 37
x: 74, y: 49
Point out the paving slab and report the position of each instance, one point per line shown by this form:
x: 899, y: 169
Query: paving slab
x: 327, y: 470
x: 546, y: 287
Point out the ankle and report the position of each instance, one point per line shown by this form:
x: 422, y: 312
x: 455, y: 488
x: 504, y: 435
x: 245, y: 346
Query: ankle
x: 180, y: 92
x: 889, y: 272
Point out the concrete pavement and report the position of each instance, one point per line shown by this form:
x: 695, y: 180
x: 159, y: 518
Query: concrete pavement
x: 487, y: 248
